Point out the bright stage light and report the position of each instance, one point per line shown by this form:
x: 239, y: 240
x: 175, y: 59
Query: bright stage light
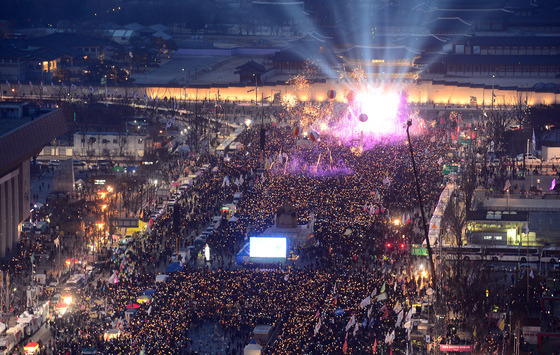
x: 381, y: 109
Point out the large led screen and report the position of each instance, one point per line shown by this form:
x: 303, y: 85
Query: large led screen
x: 263, y: 247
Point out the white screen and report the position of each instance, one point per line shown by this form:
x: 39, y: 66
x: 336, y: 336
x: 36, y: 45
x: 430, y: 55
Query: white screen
x: 262, y: 247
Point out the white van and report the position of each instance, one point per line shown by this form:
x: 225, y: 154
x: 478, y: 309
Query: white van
x: 75, y: 281
x: 17, y: 332
x: 7, y: 343
x: 161, y: 278
x: 27, y: 227
x: 184, y: 257
x: 41, y: 227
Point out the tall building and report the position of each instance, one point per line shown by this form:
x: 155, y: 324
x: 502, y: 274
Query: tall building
x: 24, y: 130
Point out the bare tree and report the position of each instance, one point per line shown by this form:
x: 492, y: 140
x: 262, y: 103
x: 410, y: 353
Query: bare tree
x: 498, y: 122
x: 519, y: 110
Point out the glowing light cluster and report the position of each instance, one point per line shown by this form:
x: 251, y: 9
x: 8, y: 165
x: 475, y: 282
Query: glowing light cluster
x: 381, y: 110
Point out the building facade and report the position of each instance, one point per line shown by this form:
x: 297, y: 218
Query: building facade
x: 19, y: 142
x: 109, y: 144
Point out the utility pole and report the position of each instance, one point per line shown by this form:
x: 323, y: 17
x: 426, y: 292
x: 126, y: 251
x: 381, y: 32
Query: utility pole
x: 428, y: 246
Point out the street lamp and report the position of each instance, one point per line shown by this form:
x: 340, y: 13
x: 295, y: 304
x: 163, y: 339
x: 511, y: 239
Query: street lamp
x: 426, y: 234
x: 493, y: 76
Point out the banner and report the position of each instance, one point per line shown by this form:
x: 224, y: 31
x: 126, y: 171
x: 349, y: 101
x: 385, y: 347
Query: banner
x: 451, y: 347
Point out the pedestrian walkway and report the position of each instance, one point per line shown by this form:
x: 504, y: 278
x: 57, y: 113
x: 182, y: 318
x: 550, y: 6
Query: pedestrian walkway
x: 41, y: 187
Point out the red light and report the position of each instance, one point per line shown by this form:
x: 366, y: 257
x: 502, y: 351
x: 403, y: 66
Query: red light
x: 402, y: 246
x: 389, y: 245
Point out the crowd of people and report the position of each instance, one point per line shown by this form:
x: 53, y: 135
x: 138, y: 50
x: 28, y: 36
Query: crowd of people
x: 352, y: 289
x: 309, y: 302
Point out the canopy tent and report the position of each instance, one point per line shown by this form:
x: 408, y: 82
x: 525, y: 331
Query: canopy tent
x: 31, y: 348
x: 173, y: 267
x: 243, y: 254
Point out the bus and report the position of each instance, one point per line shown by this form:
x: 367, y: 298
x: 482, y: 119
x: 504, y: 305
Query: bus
x: 550, y: 255
x: 498, y: 253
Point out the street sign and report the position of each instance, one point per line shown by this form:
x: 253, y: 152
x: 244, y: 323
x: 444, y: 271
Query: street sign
x: 417, y: 249
x: 448, y: 169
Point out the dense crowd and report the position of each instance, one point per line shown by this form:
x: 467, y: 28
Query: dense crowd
x: 353, y: 197
x: 310, y: 302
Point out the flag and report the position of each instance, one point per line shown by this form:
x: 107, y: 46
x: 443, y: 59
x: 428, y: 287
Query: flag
x: 398, y: 307
x: 8, y: 83
x: 72, y: 87
x: 390, y: 337
x: 382, y: 288
x: 345, y: 346
x: 350, y: 323
x: 317, y: 327
x: 365, y: 302
x: 91, y: 89
x: 408, y: 319
x: 19, y: 83
x: 374, y: 346
x: 369, y: 312
x: 385, y: 312
x: 381, y: 297
x: 52, y: 85
x: 502, y: 323
x: 531, y: 275
x: 386, y: 181
x: 507, y: 186
x: 356, y: 326
x: 149, y: 310
x: 440, y: 160
x: 286, y: 278
x: 56, y: 242
x: 30, y: 84
x: 553, y: 184
x: 42, y: 86
x: 374, y: 293
x: 534, y: 142
x: 399, y: 318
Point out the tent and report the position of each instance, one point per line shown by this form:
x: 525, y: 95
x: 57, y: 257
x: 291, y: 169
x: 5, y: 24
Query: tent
x: 252, y: 348
x: 243, y: 254
x: 31, y: 348
x: 173, y: 267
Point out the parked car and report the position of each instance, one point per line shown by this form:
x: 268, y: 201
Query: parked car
x: 530, y: 159
x: 27, y: 227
